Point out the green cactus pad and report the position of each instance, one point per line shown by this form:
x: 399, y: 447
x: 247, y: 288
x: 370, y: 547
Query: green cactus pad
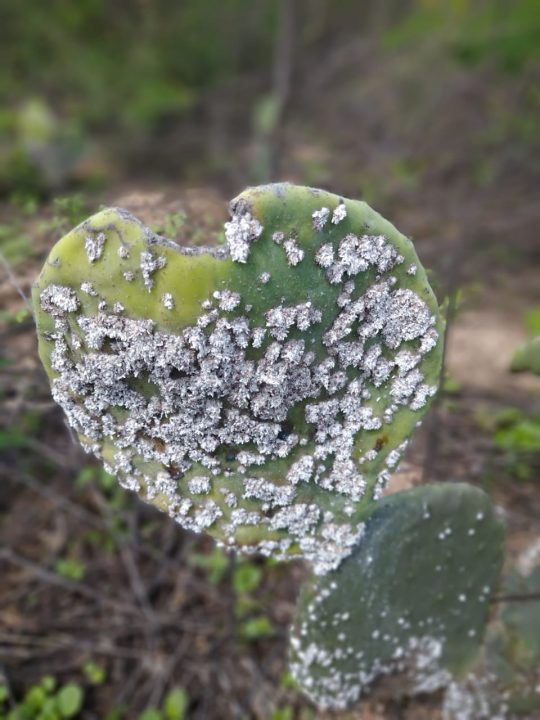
x: 505, y: 682
x: 527, y: 357
x: 412, y: 598
x: 261, y: 391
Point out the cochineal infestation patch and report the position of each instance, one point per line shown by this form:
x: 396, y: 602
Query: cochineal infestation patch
x: 412, y: 599
x: 262, y: 390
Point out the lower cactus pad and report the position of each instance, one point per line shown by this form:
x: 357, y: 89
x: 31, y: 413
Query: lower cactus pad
x: 413, y: 598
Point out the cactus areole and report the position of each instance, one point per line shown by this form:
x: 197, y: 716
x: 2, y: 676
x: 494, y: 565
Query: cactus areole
x: 261, y: 391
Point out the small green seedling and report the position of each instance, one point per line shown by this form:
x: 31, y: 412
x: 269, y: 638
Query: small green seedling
x: 215, y: 563
x: 71, y: 569
x: 175, y: 706
x: 95, y: 673
x: 43, y: 701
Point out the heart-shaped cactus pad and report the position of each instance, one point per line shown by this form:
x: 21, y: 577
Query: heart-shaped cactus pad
x: 262, y: 390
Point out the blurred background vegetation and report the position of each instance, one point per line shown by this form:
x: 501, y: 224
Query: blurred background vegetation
x: 92, y: 90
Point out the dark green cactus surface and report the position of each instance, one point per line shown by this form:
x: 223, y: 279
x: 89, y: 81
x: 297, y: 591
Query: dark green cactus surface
x: 261, y: 391
x: 505, y: 682
x: 413, y: 597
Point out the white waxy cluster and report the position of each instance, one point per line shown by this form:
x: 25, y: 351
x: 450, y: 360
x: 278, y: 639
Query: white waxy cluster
x: 195, y: 418
x: 150, y: 263
x: 89, y: 289
x: 338, y: 689
x: 228, y: 300
x: 294, y: 253
x: 357, y: 254
x: 281, y: 319
x: 199, y: 485
x: 320, y: 218
x: 339, y: 214
x: 477, y: 697
x: 94, y: 245
x: 168, y: 301
x: 240, y: 233
x: 58, y: 300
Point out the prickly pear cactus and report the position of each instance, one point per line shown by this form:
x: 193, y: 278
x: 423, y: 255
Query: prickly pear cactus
x: 412, y: 598
x: 505, y: 682
x: 261, y: 391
